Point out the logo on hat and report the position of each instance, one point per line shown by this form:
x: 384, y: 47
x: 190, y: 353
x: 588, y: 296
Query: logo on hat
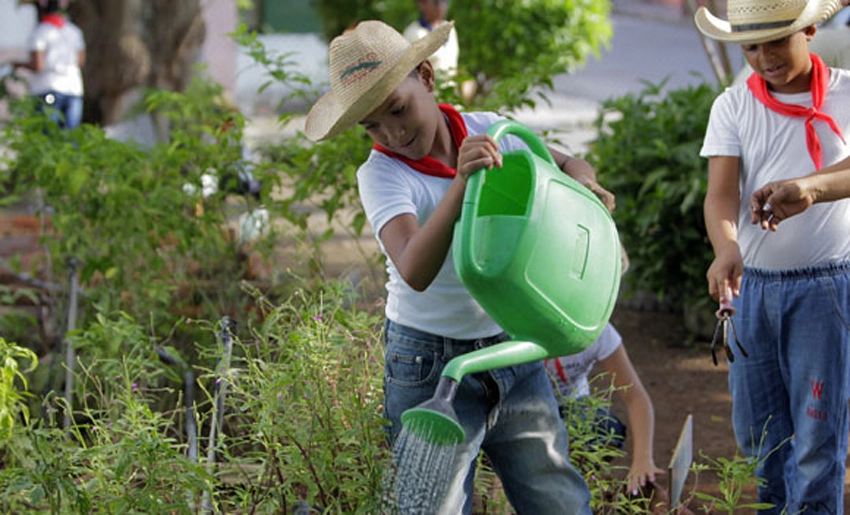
x: 359, y: 69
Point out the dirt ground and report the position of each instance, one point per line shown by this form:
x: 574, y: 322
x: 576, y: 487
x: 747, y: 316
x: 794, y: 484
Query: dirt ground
x: 682, y: 380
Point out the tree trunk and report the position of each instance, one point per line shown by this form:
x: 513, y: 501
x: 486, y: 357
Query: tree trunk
x: 135, y: 43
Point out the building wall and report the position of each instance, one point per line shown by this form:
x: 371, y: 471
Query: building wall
x: 16, y: 24
x: 219, y: 50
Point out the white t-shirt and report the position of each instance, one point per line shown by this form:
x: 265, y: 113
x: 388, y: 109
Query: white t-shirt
x: 61, y: 47
x: 445, y: 58
x: 772, y: 147
x: 571, y: 372
x: 389, y: 188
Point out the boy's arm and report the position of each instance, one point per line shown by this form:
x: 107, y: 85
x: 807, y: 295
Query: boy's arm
x: 580, y: 170
x: 35, y: 63
x: 418, y: 252
x: 641, y: 414
x: 720, y: 208
x: 780, y: 200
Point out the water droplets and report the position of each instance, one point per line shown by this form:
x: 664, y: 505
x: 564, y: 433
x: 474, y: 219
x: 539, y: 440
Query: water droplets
x: 422, y: 476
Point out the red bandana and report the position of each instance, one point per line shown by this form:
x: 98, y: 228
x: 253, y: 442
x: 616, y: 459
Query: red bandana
x: 428, y: 165
x: 54, y: 19
x: 819, y: 85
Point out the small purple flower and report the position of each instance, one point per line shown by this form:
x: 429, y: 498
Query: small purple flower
x: 317, y: 317
x: 135, y: 386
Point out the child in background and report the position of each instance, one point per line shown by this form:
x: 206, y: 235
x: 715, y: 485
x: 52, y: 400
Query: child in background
x: 412, y: 189
x: 57, y: 54
x: 791, y: 288
x: 432, y: 14
x: 571, y: 374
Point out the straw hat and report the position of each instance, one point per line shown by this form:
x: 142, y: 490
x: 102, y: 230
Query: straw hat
x: 751, y: 22
x: 366, y: 66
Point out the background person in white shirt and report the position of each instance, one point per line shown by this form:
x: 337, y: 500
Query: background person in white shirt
x: 57, y: 54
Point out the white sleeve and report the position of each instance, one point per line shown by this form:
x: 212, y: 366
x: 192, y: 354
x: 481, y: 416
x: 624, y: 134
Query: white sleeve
x: 609, y: 341
x: 384, y: 194
x: 721, y: 135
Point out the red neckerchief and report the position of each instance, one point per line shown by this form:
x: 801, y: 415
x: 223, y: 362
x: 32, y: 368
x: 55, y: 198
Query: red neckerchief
x: 428, y: 165
x: 560, y: 369
x: 819, y: 85
x: 57, y: 20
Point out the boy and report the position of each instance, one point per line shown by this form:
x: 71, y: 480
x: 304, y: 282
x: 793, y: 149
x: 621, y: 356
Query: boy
x: 570, y: 374
x: 412, y: 188
x: 432, y: 14
x: 791, y: 288
x: 57, y: 54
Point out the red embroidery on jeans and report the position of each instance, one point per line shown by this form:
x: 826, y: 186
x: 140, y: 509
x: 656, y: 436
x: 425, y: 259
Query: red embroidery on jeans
x: 817, y: 389
x: 816, y: 413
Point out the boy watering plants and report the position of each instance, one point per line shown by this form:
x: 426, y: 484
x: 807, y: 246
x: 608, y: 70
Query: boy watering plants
x: 412, y: 187
x: 791, y: 287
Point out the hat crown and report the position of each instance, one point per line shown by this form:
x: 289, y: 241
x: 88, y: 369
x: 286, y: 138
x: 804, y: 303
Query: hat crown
x: 759, y: 12
x: 357, y: 58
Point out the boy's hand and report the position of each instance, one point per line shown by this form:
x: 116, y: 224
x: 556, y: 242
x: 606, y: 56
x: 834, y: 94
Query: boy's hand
x: 726, y: 270
x: 601, y: 193
x: 779, y: 200
x: 477, y: 152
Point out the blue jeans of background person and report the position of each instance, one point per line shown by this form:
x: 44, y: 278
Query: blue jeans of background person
x: 795, y: 327
x: 610, y: 430
x: 65, y: 110
x: 509, y: 413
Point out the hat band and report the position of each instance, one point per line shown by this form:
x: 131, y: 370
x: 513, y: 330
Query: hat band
x: 761, y: 26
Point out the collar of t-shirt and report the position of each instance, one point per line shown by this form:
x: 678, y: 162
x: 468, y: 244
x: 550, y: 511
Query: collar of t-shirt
x: 428, y: 165
x: 819, y: 87
x: 57, y: 20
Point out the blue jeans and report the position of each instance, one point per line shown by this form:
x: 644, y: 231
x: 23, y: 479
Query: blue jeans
x: 65, y: 110
x: 509, y: 413
x: 795, y: 325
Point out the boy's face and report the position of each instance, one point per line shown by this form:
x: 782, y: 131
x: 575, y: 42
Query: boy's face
x: 433, y: 10
x: 784, y: 63
x: 406, y: 122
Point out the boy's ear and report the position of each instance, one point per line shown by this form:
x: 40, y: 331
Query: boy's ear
x: 810, y: 32
x: 426, y: 75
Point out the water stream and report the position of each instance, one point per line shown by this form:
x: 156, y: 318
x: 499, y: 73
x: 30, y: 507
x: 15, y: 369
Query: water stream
x: 421, y: 478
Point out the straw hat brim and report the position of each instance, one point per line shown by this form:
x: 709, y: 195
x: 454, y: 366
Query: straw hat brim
x: 815, y: 12
x: 328, y: 118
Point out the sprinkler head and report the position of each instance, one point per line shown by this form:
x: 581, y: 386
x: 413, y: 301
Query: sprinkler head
x: 435, y: 420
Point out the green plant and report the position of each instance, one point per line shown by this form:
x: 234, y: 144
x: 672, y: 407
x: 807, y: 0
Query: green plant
x: 13, y: 387
x: 543, y: 38
x: 305, y: 398
x: 595, y: 460
x: 127, y: 215
x: 647, y: 153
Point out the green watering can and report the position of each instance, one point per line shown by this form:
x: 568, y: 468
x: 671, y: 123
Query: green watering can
x: 540, y: 253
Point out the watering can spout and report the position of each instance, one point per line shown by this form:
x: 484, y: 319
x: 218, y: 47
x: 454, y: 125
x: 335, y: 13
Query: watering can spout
x: 435, y: 420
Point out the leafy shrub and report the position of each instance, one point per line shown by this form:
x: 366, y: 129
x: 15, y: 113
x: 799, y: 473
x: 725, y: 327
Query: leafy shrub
x: 13, y: 386
x: 124, y: 212
x: 647, y: 153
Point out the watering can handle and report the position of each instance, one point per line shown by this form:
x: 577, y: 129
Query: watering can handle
x: 503, y: 127
x: 476, y: 181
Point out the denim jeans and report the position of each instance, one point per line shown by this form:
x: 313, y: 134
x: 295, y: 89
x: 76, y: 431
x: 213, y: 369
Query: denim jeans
x: 790, y: 395
x: 65, y: 110
x: 509, y: 413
